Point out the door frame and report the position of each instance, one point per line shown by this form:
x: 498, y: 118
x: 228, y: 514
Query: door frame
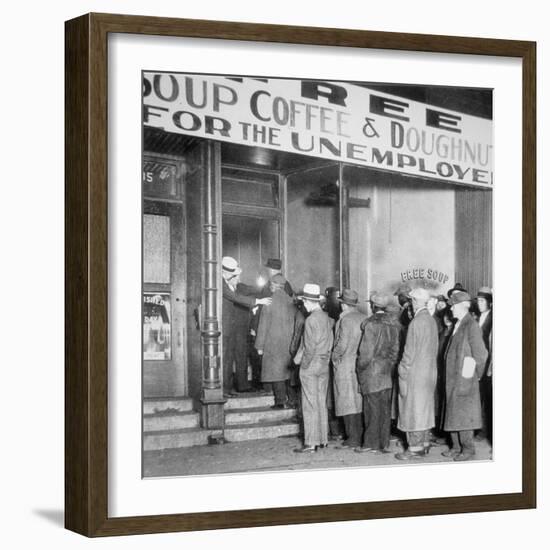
x: 165, y: 206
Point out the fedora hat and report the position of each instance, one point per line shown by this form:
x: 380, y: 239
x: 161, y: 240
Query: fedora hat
x: 349, y: 297
x: 457, y: 288
x: 274, y: 263
x: 311, y: 292
x: 485, y: 292
x: 458, y: 297
x: 230, y: 265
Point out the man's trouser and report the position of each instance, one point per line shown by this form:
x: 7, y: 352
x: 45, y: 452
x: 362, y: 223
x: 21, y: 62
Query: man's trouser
x: 235, y: 351
x: 486, y: 392
x: 418, y: 440
x: 353, y: 424
x: 377, y: 413
x: 463, y: 441
x: 279, y: 391
x: 314, y: 379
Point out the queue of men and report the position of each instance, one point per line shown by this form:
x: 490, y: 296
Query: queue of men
x: 419, y: 369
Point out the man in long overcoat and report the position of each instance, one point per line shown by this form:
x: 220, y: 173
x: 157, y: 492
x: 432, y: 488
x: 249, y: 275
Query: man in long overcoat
x: 347, y: 397
x: 313, y: 358
x: 274, y: 267
x: 485, y: 307
x: 464, y: 366
x: 236, y: 308
x: 378, y: 353
x: 417, y: 376
x: 274, y: 337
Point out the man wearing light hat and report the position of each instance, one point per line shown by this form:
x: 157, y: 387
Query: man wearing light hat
x: 235, y: 318
x: 347, y: 397
x: 378, y: 353
x: 464, y: 365
x: 313, y: 358
x: 417, y: 376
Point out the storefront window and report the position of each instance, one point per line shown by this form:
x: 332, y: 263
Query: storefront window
x: 156, y: 327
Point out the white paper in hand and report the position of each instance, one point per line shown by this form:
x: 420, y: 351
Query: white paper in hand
x: 468, y: 367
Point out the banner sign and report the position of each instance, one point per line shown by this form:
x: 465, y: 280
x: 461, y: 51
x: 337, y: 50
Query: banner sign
x: 332, y: 120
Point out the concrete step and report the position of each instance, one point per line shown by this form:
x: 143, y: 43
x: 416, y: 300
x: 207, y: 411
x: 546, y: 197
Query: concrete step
x: 257, y: 415
x: 171, y: 421
x: 174, y: 439
x: 159, y: 404
x: 267, y: 430
x: 249, y: 401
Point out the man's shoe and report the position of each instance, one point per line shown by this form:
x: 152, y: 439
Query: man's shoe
x: 277, y: 407
x: 410, y: 455
x: 306, y: 449
x: 462, y: 457
x: 451, y: 453
x: 363, y: 449
x: 323, y: 446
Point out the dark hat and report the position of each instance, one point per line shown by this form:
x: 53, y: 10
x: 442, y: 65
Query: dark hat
x: 403, y: 290
x: 457, y: 288
x: 349, y: 297
x: 274, y: 263
x: 458, y: 297
x: 278, y: 279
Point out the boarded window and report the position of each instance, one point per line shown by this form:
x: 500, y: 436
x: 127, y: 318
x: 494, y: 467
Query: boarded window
x: 156, y: 249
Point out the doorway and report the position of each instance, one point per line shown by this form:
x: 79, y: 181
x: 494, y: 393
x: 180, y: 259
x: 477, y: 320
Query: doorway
x: 251, y: 241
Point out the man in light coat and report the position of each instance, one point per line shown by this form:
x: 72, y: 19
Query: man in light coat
x: 273, y: 340
x: 464, y: 366
x: 348, y: 400
x: 313, y: 358
x: 378, y: 353
x: 417, y: 376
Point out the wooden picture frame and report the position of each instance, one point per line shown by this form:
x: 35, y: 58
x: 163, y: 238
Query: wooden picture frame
x: 86, y: 282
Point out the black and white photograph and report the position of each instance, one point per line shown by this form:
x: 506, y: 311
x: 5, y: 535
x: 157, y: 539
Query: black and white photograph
x: 317, y: 273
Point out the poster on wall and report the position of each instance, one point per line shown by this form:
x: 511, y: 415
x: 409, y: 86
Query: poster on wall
x: 156, y: 327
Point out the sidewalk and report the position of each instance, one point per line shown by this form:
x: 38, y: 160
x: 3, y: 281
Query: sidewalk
x: 275, y: 454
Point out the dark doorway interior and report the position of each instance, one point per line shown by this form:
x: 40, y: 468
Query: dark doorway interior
x: 251, y: 241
